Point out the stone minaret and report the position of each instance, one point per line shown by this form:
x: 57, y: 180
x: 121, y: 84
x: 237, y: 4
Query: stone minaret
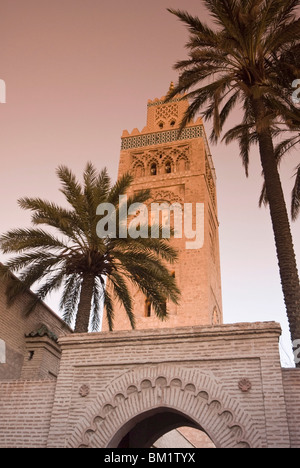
x: 178, y: 168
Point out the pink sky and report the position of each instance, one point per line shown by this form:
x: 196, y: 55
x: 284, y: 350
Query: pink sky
x: 78, y: 72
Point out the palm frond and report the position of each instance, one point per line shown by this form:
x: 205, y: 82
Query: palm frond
x: 70, y: 298
x: 97, y: 305
x: 296, y: 195
x: 19, y: 240
x: 120, y: 188
x: 50, y: 214
x: 109, y: 308
x: 122, y: 295
x: 91, y: 202
x: 74, y: 252
x: 153, y: 278
x: 72, y: 190
x: 196, y: 26
x: 29, y: 259
x: 32, y: 274
x: 283, y: 36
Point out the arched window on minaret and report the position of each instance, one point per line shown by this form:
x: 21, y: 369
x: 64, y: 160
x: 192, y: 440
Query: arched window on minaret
x: 153, y: 169
x: 168, y: 167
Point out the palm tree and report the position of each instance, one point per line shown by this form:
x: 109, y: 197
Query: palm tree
x: 245, y: 133
x: 237, y: 63
x: 91, y: 271
x: 281, y: 150
x: 296, y: 195
x: 285, y: 122
x: 286, y: 116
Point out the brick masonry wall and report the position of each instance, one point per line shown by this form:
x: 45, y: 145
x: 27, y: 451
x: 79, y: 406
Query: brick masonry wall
x: 25, y: 412
x: 291, y: 384
x: 14, y: 325
x: 196, y: 438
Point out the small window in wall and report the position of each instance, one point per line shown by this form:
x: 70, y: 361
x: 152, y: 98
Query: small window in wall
x: 164, y: 308
x: 148, y: 308
x: 2, y: 352
x: 216, y: 317
x: 153, y: 169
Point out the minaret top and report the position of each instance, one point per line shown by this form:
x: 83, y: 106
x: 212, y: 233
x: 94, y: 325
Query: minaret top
x: 164, y: 116
x: 171, y: 87
x: 161, y: 101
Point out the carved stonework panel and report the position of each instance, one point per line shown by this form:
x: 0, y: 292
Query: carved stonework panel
x: 245, y: 385
x: 165, y: 160
x: 84, y: 391
x: 166, y: 196
x: 166, y: 112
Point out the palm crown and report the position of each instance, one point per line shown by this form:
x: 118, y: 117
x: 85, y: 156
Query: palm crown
x: 238, y: 62
x: 91, y: 271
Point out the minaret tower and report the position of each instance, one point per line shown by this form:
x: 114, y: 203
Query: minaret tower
x: 178, y: 168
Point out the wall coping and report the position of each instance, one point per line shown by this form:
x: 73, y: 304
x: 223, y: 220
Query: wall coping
x: 43, y: 342
x: 237, y: 331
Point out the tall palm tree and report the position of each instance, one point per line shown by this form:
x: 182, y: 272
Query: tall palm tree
x: 286, y: 113
x: 285, y: 121
x: 296, y: 195
x: 235, y: 63
x: 92, y: 270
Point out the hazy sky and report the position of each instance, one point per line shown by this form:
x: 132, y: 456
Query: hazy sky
x: 78, y: 72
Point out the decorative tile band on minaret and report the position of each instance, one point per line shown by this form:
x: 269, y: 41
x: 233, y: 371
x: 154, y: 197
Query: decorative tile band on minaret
x: 158, y: 138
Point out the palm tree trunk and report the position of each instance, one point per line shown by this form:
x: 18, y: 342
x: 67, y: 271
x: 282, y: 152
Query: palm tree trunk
x: 84, y: 307
x: 280, y: 221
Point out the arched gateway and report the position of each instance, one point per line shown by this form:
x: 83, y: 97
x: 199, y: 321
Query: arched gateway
x: 145, y: 403
x: 126, y: 389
